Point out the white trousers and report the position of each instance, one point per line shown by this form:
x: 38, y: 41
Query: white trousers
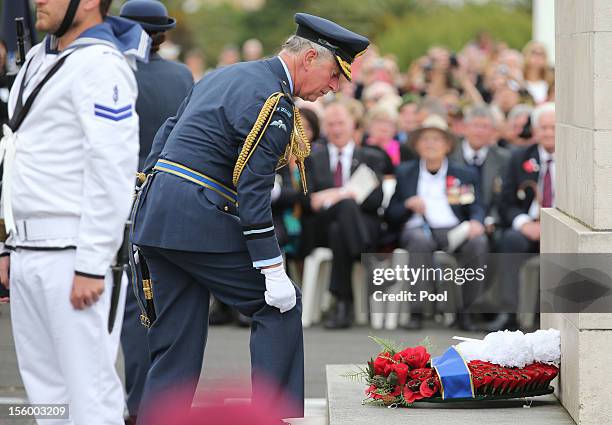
x: 65, y: 355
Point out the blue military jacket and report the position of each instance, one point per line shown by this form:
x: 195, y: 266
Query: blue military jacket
x: 162, y: 86
x: 206, y: 136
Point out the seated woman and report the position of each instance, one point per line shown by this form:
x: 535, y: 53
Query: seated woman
x: 381, y: 126
x: 432, y: 197
x: 287, y: 204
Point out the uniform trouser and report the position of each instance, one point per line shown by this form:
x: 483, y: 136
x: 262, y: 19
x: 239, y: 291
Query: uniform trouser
x: 65, y: 355
x: 182, y: 285
x: 513, y: 242
x: 135, y: 352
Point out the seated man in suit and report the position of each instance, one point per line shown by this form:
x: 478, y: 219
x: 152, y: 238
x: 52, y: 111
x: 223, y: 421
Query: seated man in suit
x: 528, y: 186
x: 433, y: 196
x: 479, y: 151
x: 334, y: 219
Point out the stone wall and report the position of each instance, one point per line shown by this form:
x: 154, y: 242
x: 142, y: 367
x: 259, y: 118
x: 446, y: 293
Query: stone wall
x: 582, y: 219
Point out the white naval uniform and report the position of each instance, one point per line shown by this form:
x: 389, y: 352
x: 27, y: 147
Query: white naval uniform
x: 71, y: 183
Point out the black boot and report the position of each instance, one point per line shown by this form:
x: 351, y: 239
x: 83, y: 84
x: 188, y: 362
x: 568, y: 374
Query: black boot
x: 415, y: 323
x: 220, y: 314
x: 465, y: 322
x: 341, y: 317
x: 243, y: 321
x: 502, y: 322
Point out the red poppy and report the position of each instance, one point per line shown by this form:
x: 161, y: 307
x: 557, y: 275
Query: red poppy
x: 382, y: 364
x: 531, y: 166
x: 415, y: 357
x: 401, y: 370
x: 452, y: 181
x: 500, y: 384
x: 411, y: 396
x: 422, y: 373
x: 534, y: 375
x: 371, y: 392
x: 397, y: 390
x: 429, y: 388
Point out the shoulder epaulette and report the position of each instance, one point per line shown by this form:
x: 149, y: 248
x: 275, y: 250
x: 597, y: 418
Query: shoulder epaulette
x: 298, y: 146
x: 256, y: 133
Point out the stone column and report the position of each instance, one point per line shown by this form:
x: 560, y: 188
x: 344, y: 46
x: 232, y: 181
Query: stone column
x: 581, y: 222
x: 543, y: 25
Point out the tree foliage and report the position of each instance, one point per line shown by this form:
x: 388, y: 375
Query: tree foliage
x: 410, y: 36
x: 405, y: 28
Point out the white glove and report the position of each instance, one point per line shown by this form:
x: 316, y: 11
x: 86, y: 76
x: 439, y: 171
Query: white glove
x: 280, y: 292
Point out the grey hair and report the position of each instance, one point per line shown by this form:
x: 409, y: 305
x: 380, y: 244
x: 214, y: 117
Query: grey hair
x: 296, y: 45
x: 433, y: 106
x: 480, y: 111
x: 518, y: 110
x: 539, y: 111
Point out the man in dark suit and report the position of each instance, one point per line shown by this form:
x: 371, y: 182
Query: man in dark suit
x: 432, y: 197
x: 528, y: 187
x: 334, y: 219
x: 162, y: 86
x: 479, y: 151
x: 203, y: 220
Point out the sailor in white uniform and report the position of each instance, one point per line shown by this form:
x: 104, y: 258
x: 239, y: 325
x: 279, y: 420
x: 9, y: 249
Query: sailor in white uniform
x: 70, y: 155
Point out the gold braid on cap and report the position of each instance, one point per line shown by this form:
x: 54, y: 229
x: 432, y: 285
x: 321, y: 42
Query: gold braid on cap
x: 299, y: 145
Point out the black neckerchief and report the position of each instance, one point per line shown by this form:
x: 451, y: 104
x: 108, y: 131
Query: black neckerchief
x: 21, y: 109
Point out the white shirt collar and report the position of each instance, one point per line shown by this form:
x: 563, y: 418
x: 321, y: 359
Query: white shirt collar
x: 469, y: 153
x: 347, y: 150
x: 423, y: 171
x: 544, y: 155
x: 287, y: 72
x: 346, y: 158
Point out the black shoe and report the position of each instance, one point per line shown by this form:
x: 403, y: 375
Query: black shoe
x: 502, y: 322
x: 130, y: 420
x: 341, y: 316
x: 415, y: 323
x: 243, y: 321
x: 220, y: 314
x: 465, y: 322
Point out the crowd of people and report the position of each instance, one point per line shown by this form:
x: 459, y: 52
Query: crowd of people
x: 467, y: 136
x: 482, y: 118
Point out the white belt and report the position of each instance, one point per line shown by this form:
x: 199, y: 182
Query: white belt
x: 38, y: 229
x: 7, y: 154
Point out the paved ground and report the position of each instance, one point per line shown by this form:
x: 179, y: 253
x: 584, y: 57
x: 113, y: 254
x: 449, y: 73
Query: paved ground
x: 227, y: 357
x: 227, y: 353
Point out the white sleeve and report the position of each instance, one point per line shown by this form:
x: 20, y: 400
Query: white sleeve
x: 105, y: 97
x: 519, y: 220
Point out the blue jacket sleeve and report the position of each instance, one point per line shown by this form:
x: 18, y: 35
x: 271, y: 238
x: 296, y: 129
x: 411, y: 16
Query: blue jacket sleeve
x: 257, y: 180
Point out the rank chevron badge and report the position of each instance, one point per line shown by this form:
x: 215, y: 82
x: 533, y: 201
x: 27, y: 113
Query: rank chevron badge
x: 113, y: 114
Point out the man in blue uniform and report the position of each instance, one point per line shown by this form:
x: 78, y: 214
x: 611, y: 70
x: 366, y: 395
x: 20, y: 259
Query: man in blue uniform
x: 162, y: 86
x: 204, y: 221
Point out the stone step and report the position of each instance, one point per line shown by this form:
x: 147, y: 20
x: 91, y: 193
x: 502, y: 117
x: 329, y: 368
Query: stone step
x: 344, y: 407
